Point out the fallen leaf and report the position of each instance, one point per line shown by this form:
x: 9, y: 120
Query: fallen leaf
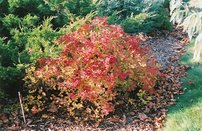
x: 190, y: 82
x: 124, y: 120
x: 132, y: 113
x: 34, y: 110
x: 115, y: 119
x: 52, y: 108
x: 4, y: 118
x: 13, y: 128
x: 142, y: 116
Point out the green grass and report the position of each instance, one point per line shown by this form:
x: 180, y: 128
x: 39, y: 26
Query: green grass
x: 186, y: 115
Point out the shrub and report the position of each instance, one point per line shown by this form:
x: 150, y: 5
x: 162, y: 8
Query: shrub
x: 138, y: 23
x: 81, y: 7
x: 62, y: 9
x: 23, y: 49
x: 37, y: 41
x: 133, y: 12
x: 98, y: 62
x: 123, y: 7
x: 14, y: 76
x: 29, y: 29
x: 8, y: 56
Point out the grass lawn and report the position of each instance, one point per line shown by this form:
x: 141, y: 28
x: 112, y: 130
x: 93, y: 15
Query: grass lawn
x: 186, y: 115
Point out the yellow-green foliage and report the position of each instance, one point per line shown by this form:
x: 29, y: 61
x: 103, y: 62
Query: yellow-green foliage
x: 144, y: 96
x: 28, y: 30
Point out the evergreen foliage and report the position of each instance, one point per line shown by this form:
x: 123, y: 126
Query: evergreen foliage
x: 28, y: 30
x: 136, y: 15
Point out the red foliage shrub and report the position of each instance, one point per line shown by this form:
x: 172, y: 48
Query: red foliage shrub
x: 96, y: 63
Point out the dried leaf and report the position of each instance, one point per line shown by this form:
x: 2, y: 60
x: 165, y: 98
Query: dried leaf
x: 132, y: 113
x: 115, y: 119
x: 34, y: 110
x: 4, y: 118
x: 52, y: 108
x: 190, y: 82
x: 142, y: 116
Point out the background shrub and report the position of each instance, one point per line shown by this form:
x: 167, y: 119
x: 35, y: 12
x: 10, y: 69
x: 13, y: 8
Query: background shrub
x: 98, y: 63
x: 137, y: 23
x: 28, y: 30
x: 140, y: 15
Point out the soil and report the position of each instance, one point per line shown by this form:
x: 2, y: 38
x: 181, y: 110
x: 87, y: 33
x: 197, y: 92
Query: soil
x: 167, y: 47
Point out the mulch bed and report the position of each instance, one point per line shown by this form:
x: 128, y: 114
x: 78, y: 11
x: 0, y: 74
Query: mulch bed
x: 167, y: 48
